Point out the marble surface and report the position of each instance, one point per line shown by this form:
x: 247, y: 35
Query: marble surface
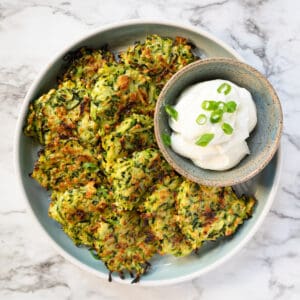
x: 266, y: 33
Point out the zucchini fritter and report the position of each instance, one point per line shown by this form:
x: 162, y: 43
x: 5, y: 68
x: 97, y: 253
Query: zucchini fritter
x: 79, y: 210
x: 83, y: 67
x: 122, y: 240
x: 66, y: 165
x: 159, y: 57
x: 132, y: 177
x: 124, y: 243
x: 160, y: 211
x: 62, y: 114
x: 119, y: 92
x: 135, y: 133
x: 207, y: 213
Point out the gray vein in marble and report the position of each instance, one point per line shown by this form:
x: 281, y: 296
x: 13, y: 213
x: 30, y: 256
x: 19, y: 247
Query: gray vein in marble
x: 198, y: 288
x: 38, y: 273
x: 279, y: 242
x: 282, y: 288
x: 253, y: 28
x: 12, y: 212
x: 37, y: 286
x: 254, y: 3
x: 293, y: 139
x: 284, y: 216
x: 13, y: 88
x: 294, y: 195
x: 260, y: 52
x: 55, y: 10
x: 67, y: 13
x: 274, y: 283
x: 199, y: 10
x: 198, y: 7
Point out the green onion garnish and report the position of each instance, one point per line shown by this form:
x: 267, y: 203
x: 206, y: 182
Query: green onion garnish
x: 90, y: 166
x: 201, y: 119
x: 227, y: 128
x: 166, y: 139
x: 216, y: 116
x: 209, y: 105
x: 205, y: 139
x: 221, y: 105
x: 231, y: 106
x: 224, y: 88
x: 172, y: 112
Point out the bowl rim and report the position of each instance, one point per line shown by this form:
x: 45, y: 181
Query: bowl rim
x: 195, y: 65
x: 18, y: 173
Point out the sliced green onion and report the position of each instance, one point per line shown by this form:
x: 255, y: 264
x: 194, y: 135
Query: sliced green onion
x: 209, y: 105
x: 90, y: 166
x: 166, y: 139
x: 221, y: 105
x: 227, y: 128
x: 216, y: 116
x: 205, y: 139
x: 201, y: 119
x: 172, y: 112
x: 231, y: 106
x: 224, y: 88
x: 72, y: 104
x: 65, y: 94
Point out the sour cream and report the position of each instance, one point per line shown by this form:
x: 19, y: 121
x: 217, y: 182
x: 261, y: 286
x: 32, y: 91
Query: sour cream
x: 225, y: 149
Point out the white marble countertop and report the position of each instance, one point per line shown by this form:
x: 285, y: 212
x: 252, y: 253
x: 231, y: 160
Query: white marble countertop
x: 266, y: 33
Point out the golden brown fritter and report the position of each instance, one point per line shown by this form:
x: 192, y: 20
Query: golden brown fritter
x: 125, y: 243
x: 62, y: 114
x: 207, y: 213
x: 119, y: 92
x: 159, y: 57
x: 83, y: 66
x: 134, y: 133
x: 65, y: 165
x: 132, y: 177
x: 79, y: 210
x: 160, y: 210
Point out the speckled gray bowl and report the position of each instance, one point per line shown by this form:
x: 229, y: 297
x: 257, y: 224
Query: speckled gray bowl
x: 263, y: 141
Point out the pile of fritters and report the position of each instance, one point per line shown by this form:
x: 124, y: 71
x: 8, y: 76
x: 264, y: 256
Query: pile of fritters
x: 111, y: 189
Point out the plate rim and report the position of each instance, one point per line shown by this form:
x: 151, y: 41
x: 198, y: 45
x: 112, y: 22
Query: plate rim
x: 18, y: 173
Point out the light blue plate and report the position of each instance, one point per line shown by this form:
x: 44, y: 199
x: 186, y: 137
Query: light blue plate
x: 165, y: 270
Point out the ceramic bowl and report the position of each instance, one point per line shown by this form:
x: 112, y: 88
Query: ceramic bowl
x: 165, y: 269
x: 264, y: 139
